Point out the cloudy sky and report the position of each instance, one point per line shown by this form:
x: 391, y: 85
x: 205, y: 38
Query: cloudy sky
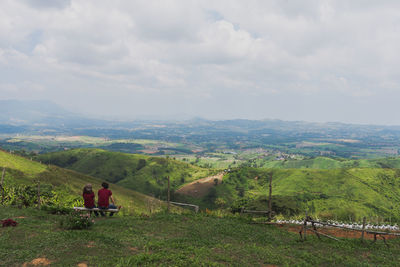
x: 312, y: 60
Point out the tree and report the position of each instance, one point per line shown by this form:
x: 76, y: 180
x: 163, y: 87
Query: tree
x: 240, y: 192
x: 212, y: 194
x: 216, y: 181
x: 220, y: 202
x: 141, y: 164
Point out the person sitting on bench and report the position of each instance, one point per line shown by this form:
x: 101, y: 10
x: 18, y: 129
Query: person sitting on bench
x: 103, y: 202
x: 88, y: 198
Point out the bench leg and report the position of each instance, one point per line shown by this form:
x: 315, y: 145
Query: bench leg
x: 111, y: 206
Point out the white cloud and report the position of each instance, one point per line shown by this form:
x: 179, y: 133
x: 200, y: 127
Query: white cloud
x: 46, y: 4
x: 185, y: 55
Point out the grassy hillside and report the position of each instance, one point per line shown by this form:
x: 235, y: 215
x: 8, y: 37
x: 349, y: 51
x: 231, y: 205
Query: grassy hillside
x: 328, y: 163
x: 138, y: 172
x: 178, y: 240
x: 336, y: 194
x: 65, y: 185
x: 323, y: 186
x: 29, y: 168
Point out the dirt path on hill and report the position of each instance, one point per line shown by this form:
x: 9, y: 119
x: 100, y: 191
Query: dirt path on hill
x: 200, y: 187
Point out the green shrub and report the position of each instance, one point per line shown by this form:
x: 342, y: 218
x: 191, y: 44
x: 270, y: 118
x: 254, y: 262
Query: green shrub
x: 239, y: 204
x: 26, y: 195
x: 76, y: 221
x: 57, y: 209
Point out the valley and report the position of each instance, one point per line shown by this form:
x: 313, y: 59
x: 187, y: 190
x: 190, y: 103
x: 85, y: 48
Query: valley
x: 331, y: 189
x: 333, y: 172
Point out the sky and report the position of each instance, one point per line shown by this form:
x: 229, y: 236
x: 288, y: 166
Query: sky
x: 309, y: 60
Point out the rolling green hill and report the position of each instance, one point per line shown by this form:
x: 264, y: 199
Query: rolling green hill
x: 327, y: 188
x: 346, y: 194
x: 329, y: 163
x: 65, y: 185
x: 138, y: 172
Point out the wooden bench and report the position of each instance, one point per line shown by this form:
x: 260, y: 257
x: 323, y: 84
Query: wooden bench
x: 196, y: 208
x: 95, y: 209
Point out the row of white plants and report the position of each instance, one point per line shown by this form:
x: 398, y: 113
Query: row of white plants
x: 369, y: 226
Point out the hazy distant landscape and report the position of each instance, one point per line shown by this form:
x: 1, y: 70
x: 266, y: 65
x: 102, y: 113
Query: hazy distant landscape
x: 37, y: 129
x: 324, y: 161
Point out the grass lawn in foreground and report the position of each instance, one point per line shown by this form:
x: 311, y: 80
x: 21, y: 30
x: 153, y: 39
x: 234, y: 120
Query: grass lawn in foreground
x: 177, y: 240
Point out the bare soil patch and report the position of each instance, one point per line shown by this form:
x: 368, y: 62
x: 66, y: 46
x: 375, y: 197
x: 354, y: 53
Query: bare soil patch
x: 38, y: 262
x: 200, y: 187
x: 90, y: 244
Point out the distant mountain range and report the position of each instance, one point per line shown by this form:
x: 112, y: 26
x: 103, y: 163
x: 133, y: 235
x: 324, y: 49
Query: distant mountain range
x: 18, y: 112
x: 42, y: 113
x: 33, y: 116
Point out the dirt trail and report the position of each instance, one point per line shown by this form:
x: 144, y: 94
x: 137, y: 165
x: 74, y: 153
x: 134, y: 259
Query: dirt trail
x: 200, y: 188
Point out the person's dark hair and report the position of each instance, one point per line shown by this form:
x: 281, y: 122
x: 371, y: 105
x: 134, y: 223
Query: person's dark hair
x: 87, y: 189
x: 105, y: 185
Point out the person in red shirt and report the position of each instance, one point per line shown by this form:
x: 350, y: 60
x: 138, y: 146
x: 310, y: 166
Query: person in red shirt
x: 104, y: 196
x: 88, y: 198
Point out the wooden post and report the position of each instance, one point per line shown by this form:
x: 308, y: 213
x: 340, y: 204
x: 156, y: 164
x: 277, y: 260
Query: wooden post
x: 270, y: 198
x: 315, y: 230
x: 1, y: 185
x: 328, y: 236
x: 168, y: 197
x: 384, y: 240
x: 2, y: 176
x: 38, y: 195
x: 305, y: 227
x: 363, y: 229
